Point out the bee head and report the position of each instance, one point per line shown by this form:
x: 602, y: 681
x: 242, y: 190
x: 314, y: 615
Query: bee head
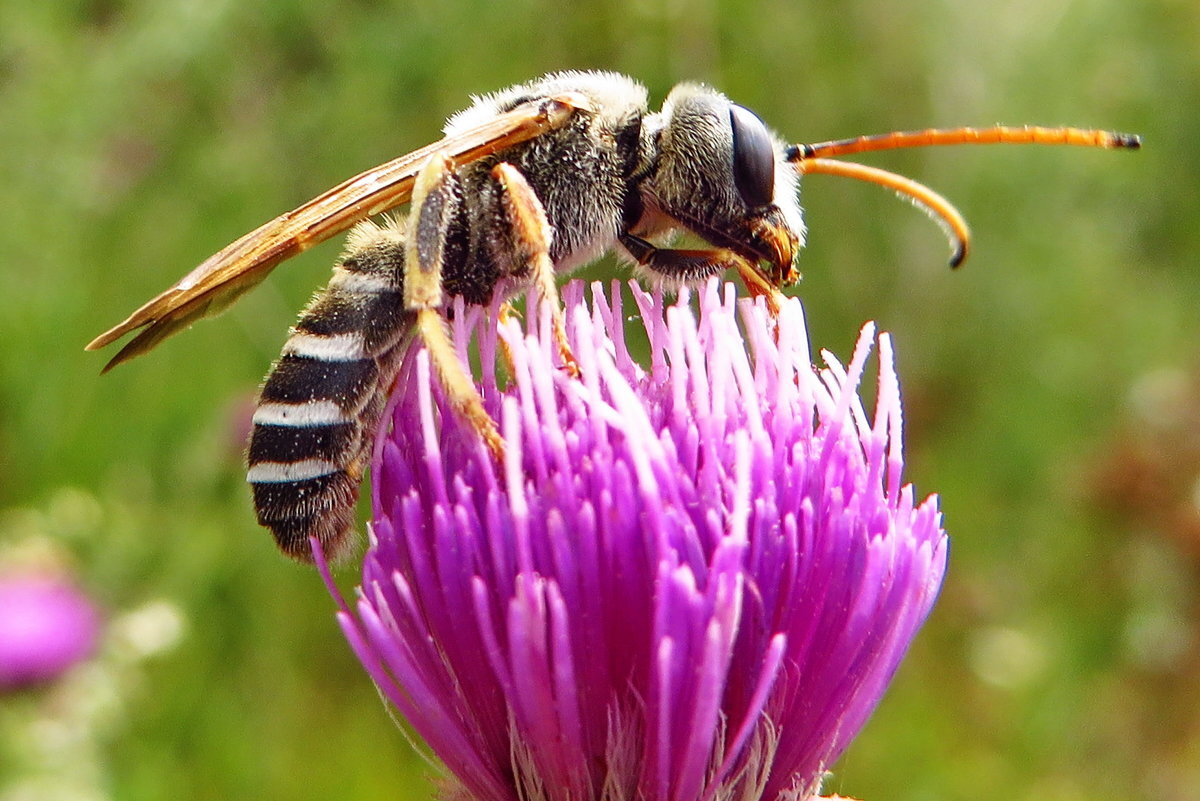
x: 712, y: 167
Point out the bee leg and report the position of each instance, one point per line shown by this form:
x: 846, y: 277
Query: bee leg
x: 434, y: 202
x: 531, y: 234
x: 681, y: 266
x: 690, y: 266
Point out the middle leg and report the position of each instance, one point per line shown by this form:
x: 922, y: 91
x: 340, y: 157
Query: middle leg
x: 530, y: 235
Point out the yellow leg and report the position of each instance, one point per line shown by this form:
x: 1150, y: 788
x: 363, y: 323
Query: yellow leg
x: 433, y: 205
x: 531, y: 233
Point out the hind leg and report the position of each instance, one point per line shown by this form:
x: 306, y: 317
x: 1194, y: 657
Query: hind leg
x: 434, y: 202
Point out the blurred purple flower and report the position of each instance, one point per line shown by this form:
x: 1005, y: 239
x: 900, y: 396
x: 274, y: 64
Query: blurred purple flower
x: 691, y: 583
x: 46, y: 625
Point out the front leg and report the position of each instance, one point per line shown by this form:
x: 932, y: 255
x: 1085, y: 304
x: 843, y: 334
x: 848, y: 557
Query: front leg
x: 691, y: 266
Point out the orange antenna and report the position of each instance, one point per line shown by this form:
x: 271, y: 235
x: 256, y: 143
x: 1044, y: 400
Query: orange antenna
x: 942, y: 211
x: 996, y: 135
x: 818, y: 158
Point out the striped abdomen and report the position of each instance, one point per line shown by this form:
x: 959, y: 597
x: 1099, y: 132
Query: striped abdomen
x: 321, y: 402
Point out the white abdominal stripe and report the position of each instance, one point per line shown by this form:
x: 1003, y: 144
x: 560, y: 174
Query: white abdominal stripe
x: 289, y: 472
x: 299, y: 415
x: 358, y: 282
x: 326, y: 347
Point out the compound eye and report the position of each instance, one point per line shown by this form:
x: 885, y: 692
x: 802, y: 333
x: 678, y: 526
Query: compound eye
x: 753, y: 158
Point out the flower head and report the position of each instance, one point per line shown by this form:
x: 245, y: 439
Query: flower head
x: 687, y: 582
x: 46, y: 625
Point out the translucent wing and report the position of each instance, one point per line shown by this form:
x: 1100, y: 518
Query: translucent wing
x: 238, y: 267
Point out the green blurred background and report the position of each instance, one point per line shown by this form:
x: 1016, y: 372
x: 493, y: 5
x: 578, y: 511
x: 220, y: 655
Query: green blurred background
x: 1051, y: 385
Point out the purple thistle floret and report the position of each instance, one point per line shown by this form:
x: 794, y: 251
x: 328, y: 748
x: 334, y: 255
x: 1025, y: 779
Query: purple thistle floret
x: 690, y: 582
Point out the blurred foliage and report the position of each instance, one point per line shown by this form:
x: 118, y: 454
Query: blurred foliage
x: 1051, y: 385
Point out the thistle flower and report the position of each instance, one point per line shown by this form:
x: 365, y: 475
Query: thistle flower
x: 46, y: 626
x: 690, y: 582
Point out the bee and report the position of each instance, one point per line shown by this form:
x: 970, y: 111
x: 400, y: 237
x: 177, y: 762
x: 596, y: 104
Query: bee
x: 528, y: 184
